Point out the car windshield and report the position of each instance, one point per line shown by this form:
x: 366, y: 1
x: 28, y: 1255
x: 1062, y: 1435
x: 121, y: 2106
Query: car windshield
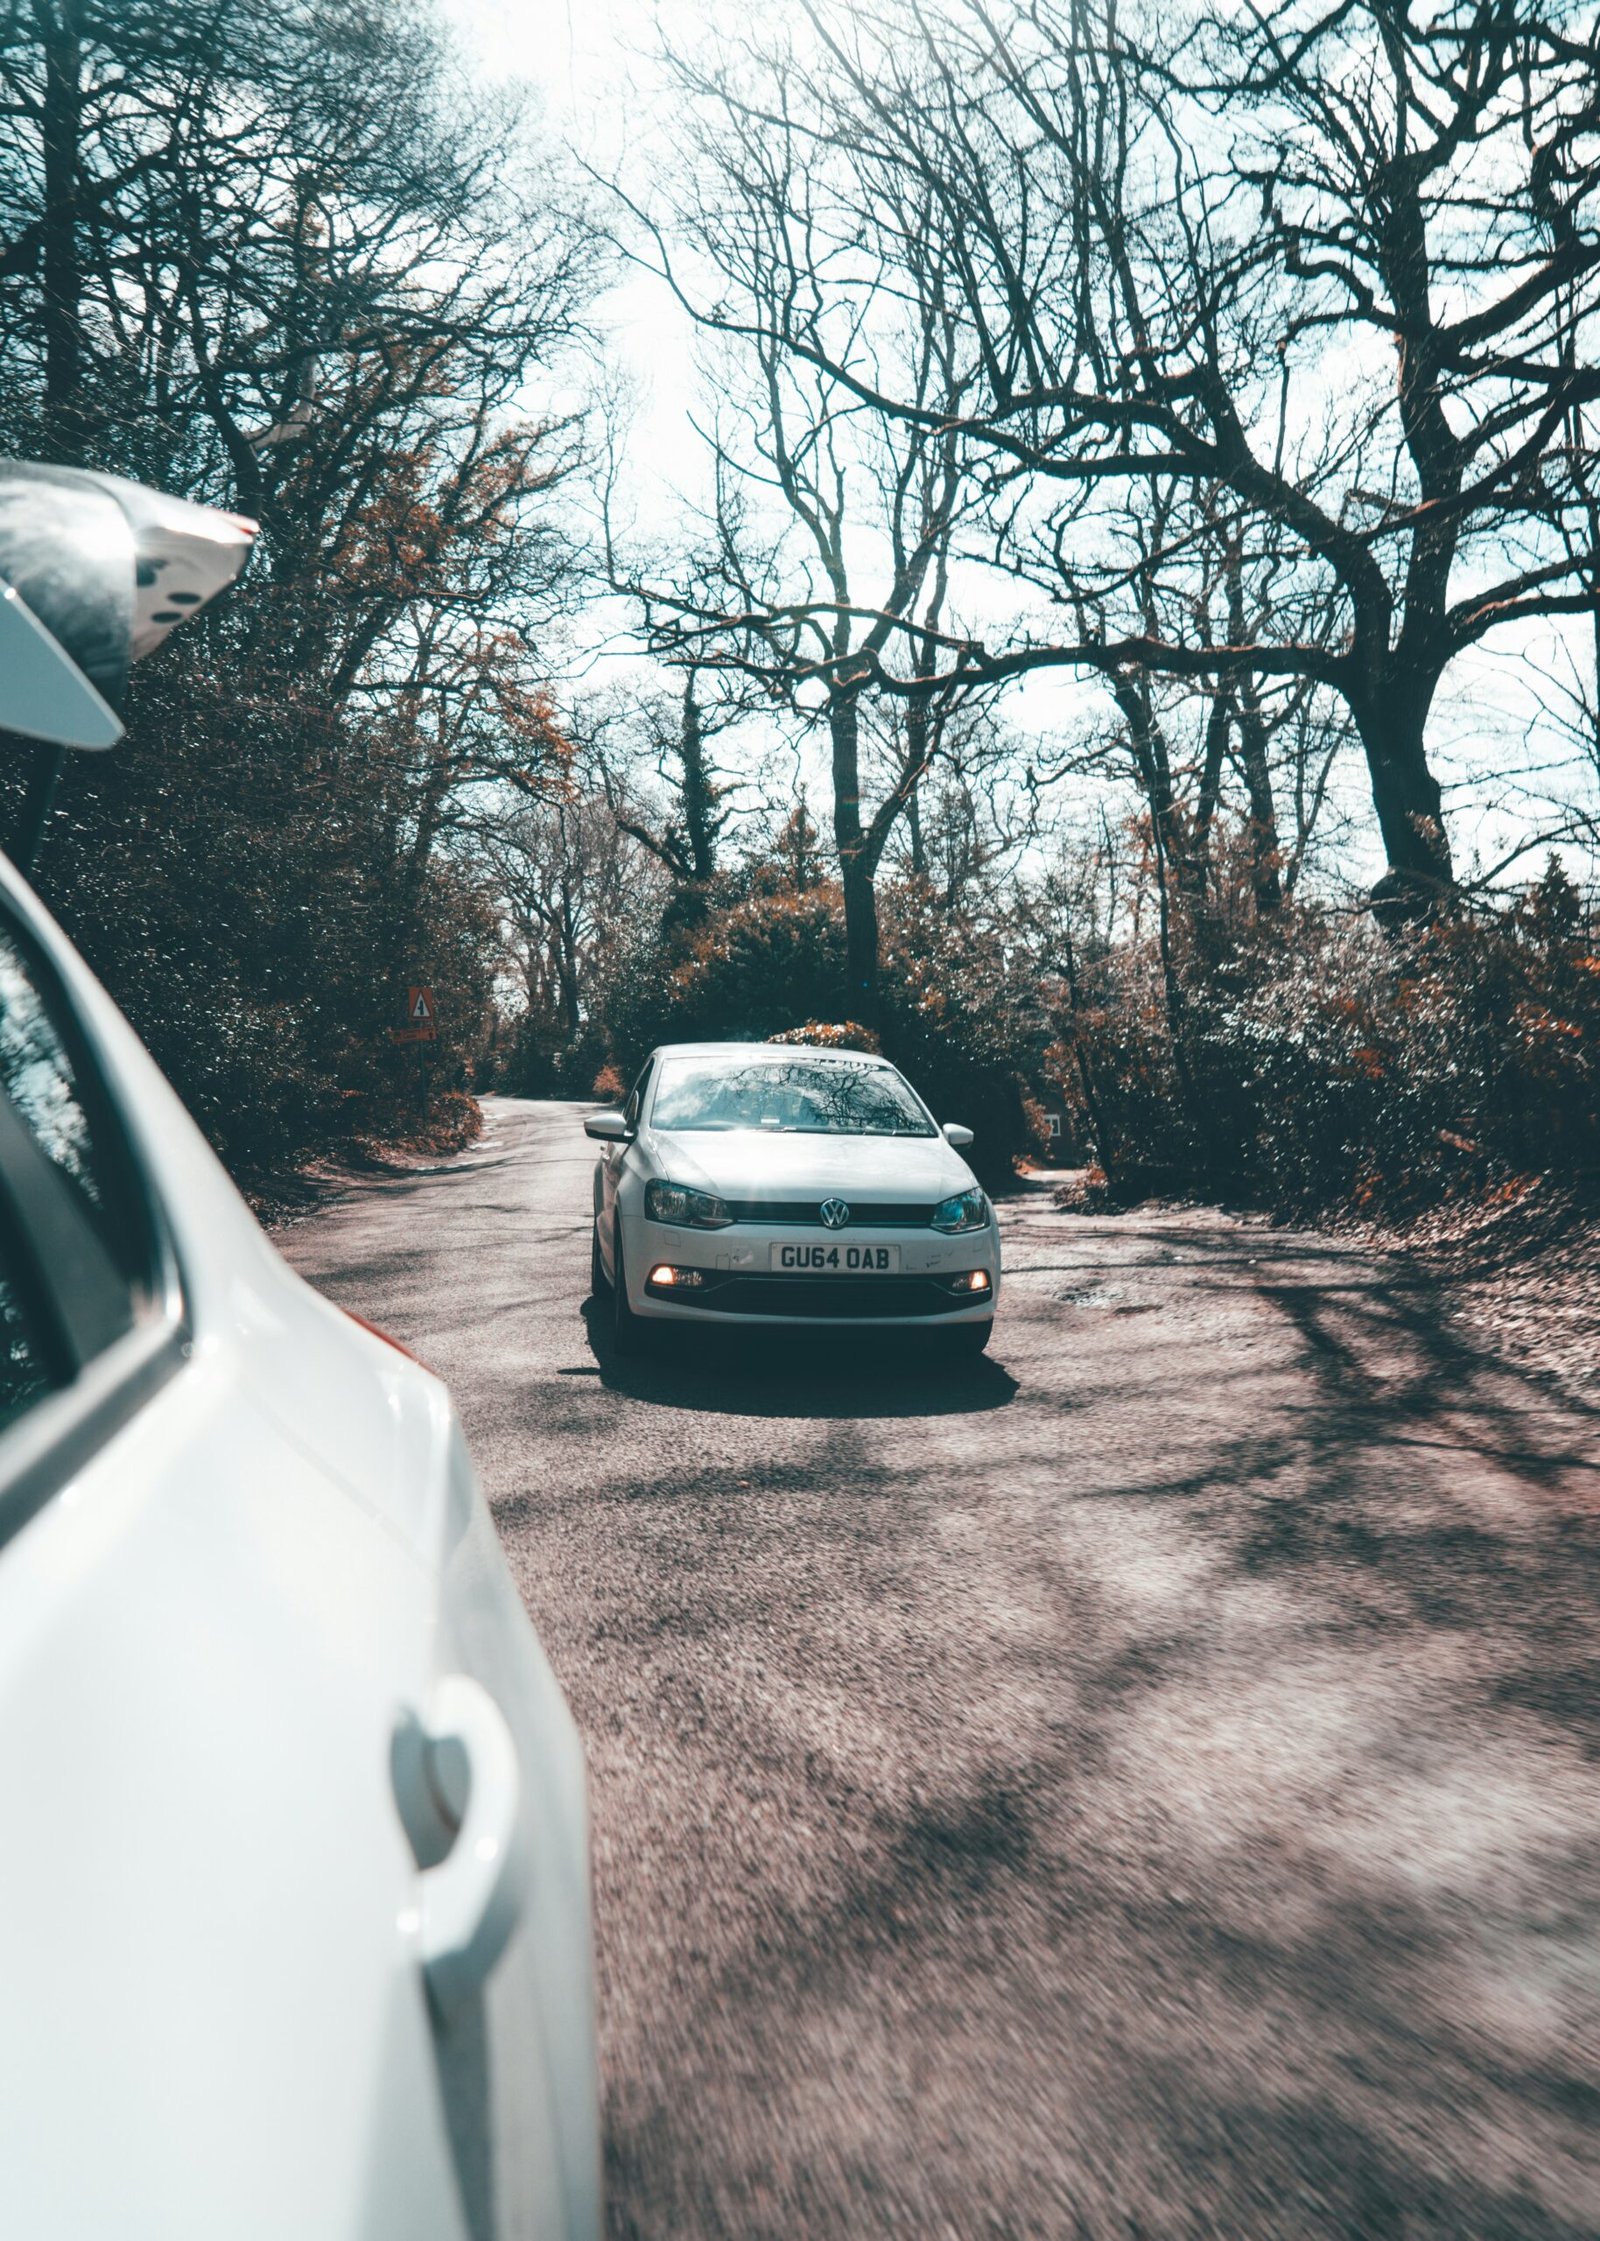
x: 810, y: 1096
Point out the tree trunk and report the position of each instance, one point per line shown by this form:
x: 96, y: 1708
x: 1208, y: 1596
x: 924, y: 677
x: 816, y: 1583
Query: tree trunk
x: 61, y: 126
x: 855, y: 869
x: 917, y: 762
x: 861, y: 941
x: 1409, y: 806
x: 566, y: 962
x: 699, y: 791
x: 1108, y: 1155
x: 1180, y: 853
x: 1264, y: 850
x: 1218, y: 724
x: 919, y: 853
x: 1174, y: 867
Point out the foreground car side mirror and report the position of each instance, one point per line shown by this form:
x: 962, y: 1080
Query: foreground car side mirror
x: 608, y: 1128
x: 957, y: 1137
x: 95, y: 572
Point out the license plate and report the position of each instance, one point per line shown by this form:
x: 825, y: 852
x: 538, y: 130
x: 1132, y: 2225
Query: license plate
x: 837, y: 1260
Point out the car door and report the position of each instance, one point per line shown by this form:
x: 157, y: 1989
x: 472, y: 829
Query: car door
x: 220, y: 1662
x: 610, y: 1165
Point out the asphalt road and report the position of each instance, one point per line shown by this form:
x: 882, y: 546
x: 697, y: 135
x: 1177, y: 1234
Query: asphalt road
x: 1143, y: 1784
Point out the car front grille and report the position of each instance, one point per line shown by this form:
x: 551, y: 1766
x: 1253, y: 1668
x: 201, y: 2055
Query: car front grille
x: 807, y: 1213
x: 826, y: 1298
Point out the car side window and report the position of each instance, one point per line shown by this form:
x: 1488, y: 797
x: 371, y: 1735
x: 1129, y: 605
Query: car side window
x: 635, y: 1104
x: 73, y: 1256
x: 38, y: 1077
x: 23, y: 1376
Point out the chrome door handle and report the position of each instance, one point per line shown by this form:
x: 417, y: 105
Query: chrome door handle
x: 468, y: 1904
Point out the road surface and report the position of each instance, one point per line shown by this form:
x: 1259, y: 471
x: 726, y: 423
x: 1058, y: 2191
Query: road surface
x: 1143, y: 1784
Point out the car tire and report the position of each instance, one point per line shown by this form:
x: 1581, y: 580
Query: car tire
x: 970, y: 1338
x: 627, y: 1331
x: 599, y: 1282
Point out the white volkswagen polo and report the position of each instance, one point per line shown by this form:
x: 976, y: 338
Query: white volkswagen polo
x: 762, y: 1183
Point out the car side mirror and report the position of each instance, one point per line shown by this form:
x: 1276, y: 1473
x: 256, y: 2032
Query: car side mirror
x: 94, y: 573
x: 608, y: 1128
x: 957, y: 1137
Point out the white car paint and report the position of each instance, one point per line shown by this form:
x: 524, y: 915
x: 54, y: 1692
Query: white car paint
x: 760, y: 1169
x: 239, y: 1999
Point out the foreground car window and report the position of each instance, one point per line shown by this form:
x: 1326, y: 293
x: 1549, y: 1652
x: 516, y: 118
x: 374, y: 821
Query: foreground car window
x: 76, y: 1268
x: 38, y: 1077
x: 813, y: 1097
x: 23, y: 1379
x: 64, y: 1116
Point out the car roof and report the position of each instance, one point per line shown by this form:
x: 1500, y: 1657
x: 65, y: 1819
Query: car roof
x: 766, y: 1050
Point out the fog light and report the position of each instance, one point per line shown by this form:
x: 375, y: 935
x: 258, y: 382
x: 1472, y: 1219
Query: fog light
x: 975, y: 1280
x: 676, y: 1279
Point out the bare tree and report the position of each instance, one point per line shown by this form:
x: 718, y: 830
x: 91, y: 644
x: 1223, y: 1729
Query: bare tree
x: 824, y: 577
x: 685, y: 831
x: 1330, y: 273
x: 571, y: 882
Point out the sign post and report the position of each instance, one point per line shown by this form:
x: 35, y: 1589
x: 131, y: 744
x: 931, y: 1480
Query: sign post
x: 420, y: 1027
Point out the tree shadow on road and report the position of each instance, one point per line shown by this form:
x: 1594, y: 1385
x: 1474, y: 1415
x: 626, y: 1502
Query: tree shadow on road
x: 1249, y: 2078
x: 1272, y: 1915
x: 787, y: 1373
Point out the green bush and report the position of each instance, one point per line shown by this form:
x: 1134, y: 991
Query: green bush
x: 818, y: 1034
x: 772, y: 967
x: 1323, y: 1062
x: 233, y: 878
x: 965, y: 1028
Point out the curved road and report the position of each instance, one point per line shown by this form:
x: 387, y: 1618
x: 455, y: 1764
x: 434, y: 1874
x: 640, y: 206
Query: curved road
x: 1143, y: 1784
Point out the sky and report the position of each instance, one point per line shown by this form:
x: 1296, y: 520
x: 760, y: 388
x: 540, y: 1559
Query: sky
x: 588, y: 63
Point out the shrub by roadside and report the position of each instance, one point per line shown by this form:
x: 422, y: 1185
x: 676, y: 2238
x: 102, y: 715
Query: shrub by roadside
x: 819, y: 1034
x: 279, y: 1195
x: 1321, y: 1063
x: 772, y: 966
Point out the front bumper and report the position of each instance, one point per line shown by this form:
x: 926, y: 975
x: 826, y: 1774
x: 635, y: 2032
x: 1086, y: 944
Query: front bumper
x: 737, y: 1283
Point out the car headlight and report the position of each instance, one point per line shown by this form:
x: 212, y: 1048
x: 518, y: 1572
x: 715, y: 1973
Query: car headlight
x: 967, y: 1210
x: 684, y: 1208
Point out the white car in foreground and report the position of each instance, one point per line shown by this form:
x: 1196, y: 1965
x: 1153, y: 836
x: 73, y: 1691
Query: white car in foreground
x: 761, y: 1183
x: 294, y: 1891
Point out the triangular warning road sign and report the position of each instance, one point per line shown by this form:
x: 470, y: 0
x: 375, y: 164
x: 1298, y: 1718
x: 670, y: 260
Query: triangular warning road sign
x: 420, y: 1007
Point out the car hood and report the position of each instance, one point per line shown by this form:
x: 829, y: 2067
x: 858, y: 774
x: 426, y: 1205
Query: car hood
x: 756, y: 1163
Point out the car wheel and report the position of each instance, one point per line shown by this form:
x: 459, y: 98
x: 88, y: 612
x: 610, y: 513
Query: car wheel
x: 599, y: 1282
x: 627, y: 1332
x: 970, y: 1338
